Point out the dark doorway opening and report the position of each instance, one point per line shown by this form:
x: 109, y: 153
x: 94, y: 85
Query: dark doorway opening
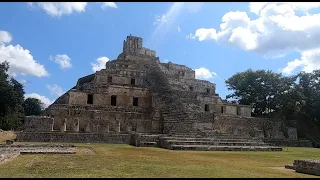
x: 133, y: 82
x: 109, y: 79
x: 222, y: 109
x: 90, y: 99
x: 113, y: 100
x: 206, y: 107
x: 135, y: 101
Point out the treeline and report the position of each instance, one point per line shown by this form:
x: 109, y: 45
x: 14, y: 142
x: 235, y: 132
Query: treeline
x: 271, y: 94
x: 13, y: 106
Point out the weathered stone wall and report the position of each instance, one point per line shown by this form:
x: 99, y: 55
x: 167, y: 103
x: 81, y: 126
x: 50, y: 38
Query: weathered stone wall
x: 292, y: 133
x: 232, y: 109
x: 254, y: 127
x: 245, y: 111
x: 74, y: 137
x: 38, y: 124
x: 77, y: 97
x: 307, y: 166
x: 104, y: 119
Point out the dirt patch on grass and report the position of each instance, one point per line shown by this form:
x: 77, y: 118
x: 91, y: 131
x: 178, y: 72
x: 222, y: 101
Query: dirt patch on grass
x: 5, y: 135
x: 85, y: 150
x: 282, y: 169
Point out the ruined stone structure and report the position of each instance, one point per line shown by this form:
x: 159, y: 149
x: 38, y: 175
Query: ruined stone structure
x: 136, y: 93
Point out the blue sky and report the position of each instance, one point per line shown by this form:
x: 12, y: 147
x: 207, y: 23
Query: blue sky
x: 51, y: 45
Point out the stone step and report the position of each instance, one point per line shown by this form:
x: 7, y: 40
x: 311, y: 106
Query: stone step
x: 172, y: 138
x: 225, y: 148
x: 217, y: 143
x: 46, y: 152
x: 148, y: 144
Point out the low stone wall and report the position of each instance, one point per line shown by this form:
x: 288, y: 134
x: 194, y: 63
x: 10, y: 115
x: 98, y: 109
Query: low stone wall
x: 73, y: 137
x: 307, y: 166
x: 139, y: 138
x: 288, y: 142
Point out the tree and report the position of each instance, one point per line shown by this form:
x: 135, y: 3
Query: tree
x: 32, y: 106
x: 309, y: 88
x: 11, y: 101
x: 268, y: 92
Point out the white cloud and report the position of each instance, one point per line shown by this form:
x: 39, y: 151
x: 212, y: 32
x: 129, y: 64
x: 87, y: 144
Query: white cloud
x: 61, y: 8
x: 310, y: 60
x: 23, y: 82
x: 55, y: 89
x: 179, y: 29
x: 204, y: 73
x: 203, y: 34
x: 46, y: 102
x: 161, y: 20
x: 101, y: 64
x: 280, y: 27
x: 63, y: 60
x: 20, y: 60
x: 109, y: 4
x: 5, y: 37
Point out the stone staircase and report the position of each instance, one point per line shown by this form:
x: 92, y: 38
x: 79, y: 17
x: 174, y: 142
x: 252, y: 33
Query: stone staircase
x: 180, y: 111
x: 222, y: 143
x: 176, y: 118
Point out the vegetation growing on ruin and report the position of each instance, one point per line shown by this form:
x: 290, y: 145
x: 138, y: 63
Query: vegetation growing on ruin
x: 129, y: 161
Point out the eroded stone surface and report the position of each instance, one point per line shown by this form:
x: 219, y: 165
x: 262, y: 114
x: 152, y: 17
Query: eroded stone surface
x: 307, y: 166
x: 8, y: 152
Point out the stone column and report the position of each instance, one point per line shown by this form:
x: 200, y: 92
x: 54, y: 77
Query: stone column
x: 52, y: 125
x: 97, y: 128
x: 107, y: 128
x: 118, y: 128
x: 63, y: 127
x: 76, y: 125
x: 88, y: 129
x: 93, y: 128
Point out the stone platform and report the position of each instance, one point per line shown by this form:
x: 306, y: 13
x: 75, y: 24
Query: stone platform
x: 194, y: 143
x: 11, y: 151
x: 307, y: 166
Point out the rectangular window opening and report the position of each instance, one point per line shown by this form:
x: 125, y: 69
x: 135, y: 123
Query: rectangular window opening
x: 133, y: 81
x: 90, y: 99
x: 113, y: 100
x: 208, y: 90
x: 238, y: 111
x: 135, y: 101
x: 109, y: 79
x: 222, y: 109
x: 206, y: 107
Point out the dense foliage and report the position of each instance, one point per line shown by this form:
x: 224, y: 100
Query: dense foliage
x: 12, y: 102
x: 32, y: 106
x: 273, y: 94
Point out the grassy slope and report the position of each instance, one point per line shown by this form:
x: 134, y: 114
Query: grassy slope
x: 128, y: 161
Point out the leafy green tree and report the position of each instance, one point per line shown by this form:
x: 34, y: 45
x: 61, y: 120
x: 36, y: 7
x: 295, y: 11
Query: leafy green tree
x: 309, y: 88
x: 32, y: 106
x: 267, y: 91
x: 11, y: 101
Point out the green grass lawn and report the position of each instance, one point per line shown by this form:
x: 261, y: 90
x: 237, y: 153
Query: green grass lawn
x: 129, y: 161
